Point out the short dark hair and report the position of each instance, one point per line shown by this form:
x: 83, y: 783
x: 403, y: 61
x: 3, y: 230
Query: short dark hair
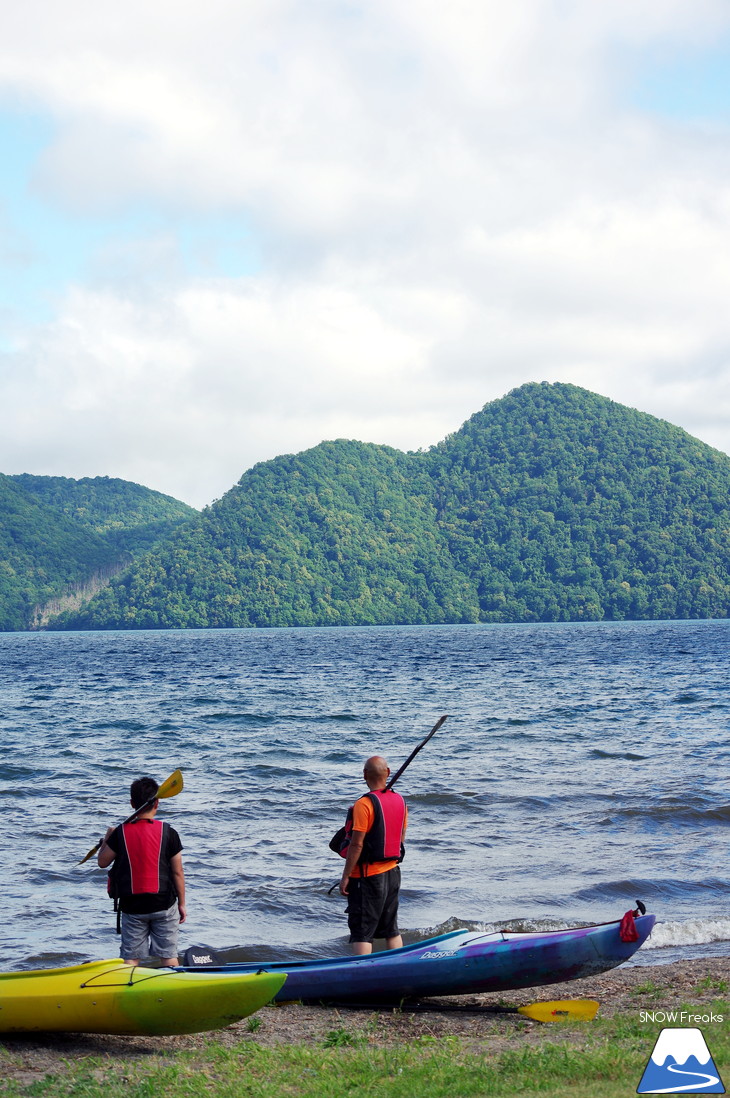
x: 143, y: 790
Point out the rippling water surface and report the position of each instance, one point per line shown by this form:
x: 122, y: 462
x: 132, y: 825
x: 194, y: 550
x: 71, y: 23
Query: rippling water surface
x: 581, y: 767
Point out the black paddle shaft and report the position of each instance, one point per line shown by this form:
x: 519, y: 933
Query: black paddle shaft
x: 415, y: 751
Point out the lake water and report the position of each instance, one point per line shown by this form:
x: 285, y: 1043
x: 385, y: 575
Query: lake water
x: 581, y: 767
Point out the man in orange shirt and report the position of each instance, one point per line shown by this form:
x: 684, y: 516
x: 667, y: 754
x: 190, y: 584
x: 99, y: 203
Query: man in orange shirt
x: 371, y: 876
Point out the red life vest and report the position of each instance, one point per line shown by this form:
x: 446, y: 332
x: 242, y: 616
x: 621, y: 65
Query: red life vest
x: 383, y: 842
x: 141, y: 866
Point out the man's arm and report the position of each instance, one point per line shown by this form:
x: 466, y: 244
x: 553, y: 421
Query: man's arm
x: 353, y: 856
x: 178, y: 879
x: 106, y: 855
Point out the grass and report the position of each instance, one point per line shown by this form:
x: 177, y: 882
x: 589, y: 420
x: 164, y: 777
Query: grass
x: 649, y: 988
x: 710, y: 983
x: 604, y: 1058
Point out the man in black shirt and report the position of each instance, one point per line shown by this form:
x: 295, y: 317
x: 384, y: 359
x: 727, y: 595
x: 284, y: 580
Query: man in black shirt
x: 149, y: 878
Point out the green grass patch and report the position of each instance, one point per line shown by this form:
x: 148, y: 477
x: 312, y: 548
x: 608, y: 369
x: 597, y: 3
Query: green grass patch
x: 650, y: 989
x: 604, y: 1058
x: 711, y: 983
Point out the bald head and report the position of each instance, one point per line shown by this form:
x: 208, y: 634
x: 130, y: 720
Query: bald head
x: 376, y: 772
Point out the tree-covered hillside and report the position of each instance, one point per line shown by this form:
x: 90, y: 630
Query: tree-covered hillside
x: 127, y: 515
x: 551, y: 504
x: 342, y: 534
x: 57, y: 535
x: 562, y: 505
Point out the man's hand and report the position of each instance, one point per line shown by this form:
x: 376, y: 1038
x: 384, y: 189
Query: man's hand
x: 344, y: 882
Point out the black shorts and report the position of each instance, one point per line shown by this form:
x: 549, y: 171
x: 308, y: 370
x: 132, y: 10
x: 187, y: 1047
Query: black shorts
x: 372, y: 906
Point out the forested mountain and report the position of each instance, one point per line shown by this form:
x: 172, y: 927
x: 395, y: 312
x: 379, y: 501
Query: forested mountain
x: 552, y: 504
x: 59, y: 535
x: 126, y: 515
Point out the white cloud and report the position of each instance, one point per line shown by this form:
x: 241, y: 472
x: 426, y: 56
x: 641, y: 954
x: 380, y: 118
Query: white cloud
x: 446, y: 201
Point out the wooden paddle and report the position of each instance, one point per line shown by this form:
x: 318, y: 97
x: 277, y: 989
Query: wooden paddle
x: 169, y: 788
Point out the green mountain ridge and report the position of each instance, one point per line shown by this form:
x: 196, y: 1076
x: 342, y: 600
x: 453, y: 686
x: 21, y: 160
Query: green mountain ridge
x: 60, y: 536
x: 551, y: 504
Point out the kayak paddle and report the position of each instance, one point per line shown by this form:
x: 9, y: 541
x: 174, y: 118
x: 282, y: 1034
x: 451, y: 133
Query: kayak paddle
x: 169, y: 788
x: 557, y: 1010
x: 337, y: 837
x: 415, y: 751
x: 561, y: 1010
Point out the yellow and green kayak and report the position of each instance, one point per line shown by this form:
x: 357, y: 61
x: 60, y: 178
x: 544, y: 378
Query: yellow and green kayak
x: 111, y: 997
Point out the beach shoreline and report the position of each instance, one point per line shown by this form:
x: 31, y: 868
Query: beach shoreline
x: 645, y: 992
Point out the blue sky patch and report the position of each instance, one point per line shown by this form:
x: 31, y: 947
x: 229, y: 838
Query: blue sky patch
x: 689, y: 85
x: 45, y: 246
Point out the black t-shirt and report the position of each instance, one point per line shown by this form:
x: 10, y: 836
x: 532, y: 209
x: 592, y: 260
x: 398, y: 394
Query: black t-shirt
x: 144, y: 902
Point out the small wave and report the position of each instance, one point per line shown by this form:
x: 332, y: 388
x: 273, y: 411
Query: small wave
x: 687, y: 699
x: 264, y: 771
x: 446, y: 927
x: 12, y: 772
x: 521, y: 924
x: 227, y: 715
x: 722, y: 813
x: 656, y: 889
x: 669, y: 814
x: 53, y: 960
x: 699, y: 931
x: 598, y: 753
x: 454, y: 799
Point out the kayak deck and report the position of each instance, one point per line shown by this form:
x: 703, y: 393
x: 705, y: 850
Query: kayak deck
x: 112, y: 997
x: 460, y: 962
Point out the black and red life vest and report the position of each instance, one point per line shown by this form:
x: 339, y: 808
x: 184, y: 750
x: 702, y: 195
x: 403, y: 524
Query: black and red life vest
x: 141, y: 865
x: 383, y: 842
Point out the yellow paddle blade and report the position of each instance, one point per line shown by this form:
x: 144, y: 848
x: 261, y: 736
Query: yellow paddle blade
x: 561, y: 1010
x: 172, y: 786
x: 169, y: 788
x: 91, y: 853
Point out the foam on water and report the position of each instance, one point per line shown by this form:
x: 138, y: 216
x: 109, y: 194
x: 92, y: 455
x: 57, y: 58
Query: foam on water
x: 690, y: 932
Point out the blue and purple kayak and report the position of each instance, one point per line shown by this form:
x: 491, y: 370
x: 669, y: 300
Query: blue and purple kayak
x: 460, y: 963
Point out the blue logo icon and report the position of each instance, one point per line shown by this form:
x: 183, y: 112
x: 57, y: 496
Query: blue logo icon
x: 681, y: 1063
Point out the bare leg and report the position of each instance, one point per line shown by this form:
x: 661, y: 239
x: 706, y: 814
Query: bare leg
x: 394, y: 943
x: 361, y: 949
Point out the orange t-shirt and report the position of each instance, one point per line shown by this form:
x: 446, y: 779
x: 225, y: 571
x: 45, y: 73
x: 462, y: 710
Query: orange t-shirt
x: 363, y: 818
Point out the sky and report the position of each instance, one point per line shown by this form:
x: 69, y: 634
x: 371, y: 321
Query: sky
x: 230, y: 230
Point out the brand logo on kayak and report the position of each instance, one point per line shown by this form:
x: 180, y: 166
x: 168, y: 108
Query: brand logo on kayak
x: 680, y: 1062
x: 202, y: 959
x: 439, y: 953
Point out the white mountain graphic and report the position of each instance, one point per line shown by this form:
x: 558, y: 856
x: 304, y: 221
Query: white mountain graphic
x: 680, y: 1044
x: 680, y: 1063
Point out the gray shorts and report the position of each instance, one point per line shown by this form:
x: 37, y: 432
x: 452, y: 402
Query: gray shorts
x: 152, y: 935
